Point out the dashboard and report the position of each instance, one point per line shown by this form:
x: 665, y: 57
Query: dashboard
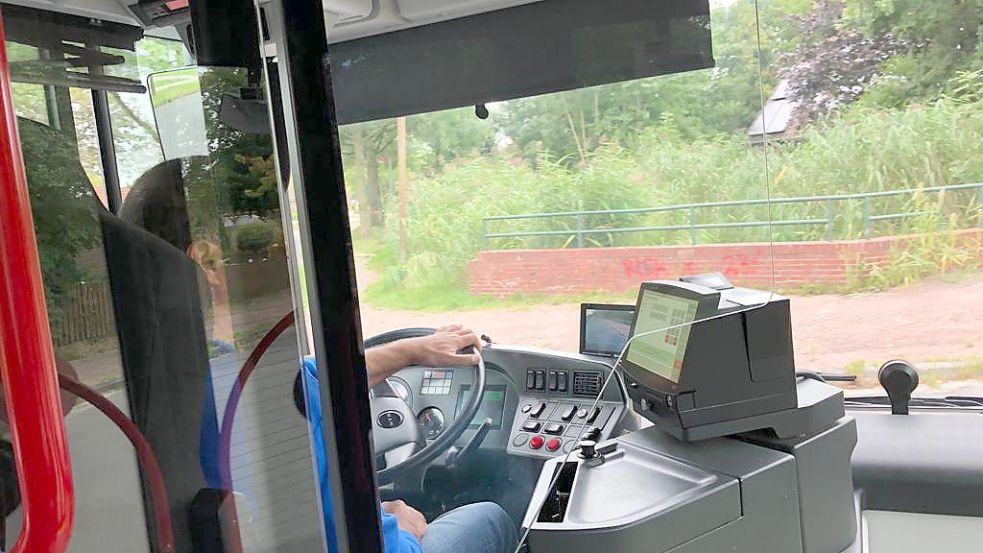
x: 540, y: 402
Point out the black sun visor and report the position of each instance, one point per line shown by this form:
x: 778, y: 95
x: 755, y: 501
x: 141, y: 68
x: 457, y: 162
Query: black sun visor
x: 533, y: 49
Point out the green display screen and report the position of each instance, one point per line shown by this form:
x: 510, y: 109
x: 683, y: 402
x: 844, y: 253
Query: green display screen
x: 662, y: 325
x: 492, y: 405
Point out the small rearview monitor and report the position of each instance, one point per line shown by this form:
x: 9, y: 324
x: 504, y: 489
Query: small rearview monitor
x: 604, y: 328
x: 661, y: 332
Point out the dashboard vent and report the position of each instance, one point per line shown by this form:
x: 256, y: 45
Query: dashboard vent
x: 586, y: 384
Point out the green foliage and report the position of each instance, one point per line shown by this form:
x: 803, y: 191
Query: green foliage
x: 442, y: 137
x: 239, y: 168
x: 64, y: 210
x: 946, y: 36
x: 571, y: 126
x: 866, y: 150
x: 256, y: 237
x: 934, y: 248
x: 834, y: 65
x: 855, y: 367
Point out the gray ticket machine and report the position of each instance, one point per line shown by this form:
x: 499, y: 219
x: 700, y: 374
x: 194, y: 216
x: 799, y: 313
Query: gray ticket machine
x: 742, y: 457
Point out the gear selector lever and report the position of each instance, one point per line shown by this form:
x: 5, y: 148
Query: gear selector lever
x: 899, y: 379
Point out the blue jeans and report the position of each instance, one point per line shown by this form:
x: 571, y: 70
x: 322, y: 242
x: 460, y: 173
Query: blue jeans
x: 475, y: 528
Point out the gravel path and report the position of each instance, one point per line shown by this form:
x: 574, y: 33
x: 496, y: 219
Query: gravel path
x: 935, y: 323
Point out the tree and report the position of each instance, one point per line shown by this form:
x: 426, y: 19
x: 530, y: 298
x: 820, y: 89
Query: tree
x: 369, y: 142
x: 64, y: 210
x: 833, y: 64
x: 435, y: 139
x: 570, y: 126
x: 239, y: 164
x: 890, y: 53
x: 441, y: 137
x: 944, y: 36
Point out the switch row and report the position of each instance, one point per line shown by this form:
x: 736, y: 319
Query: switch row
x: 566, y: 412
x: 544, y: 380
x: 551, y: 428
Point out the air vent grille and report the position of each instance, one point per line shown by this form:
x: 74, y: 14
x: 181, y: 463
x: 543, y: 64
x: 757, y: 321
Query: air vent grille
x: 586, y: 384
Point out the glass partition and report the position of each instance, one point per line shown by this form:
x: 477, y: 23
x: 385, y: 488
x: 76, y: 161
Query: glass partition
x: 168, y: 310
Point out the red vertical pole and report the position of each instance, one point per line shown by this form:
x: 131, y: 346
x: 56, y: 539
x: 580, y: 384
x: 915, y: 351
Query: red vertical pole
x: 27, y: 359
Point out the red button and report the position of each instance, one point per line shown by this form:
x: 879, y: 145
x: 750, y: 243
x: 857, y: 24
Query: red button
x: 536, y: 442
x: 553, y: 444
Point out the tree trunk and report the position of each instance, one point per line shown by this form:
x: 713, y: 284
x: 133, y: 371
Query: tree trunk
x: 373, y: 194
x: 358, y: 184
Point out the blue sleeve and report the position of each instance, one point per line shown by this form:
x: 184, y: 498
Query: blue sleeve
x: 397, y: 540
x: 394, y: 539
x: 208, y: 438
x: 313, y: 405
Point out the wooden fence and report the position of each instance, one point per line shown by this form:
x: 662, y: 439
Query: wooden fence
x: 89, y: 315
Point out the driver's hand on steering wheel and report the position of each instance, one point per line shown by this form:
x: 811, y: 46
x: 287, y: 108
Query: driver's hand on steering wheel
x: 441, y: 349
x: 407, y: 517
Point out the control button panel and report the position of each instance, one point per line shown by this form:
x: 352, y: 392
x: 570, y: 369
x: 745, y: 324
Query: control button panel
x: 545, y: 429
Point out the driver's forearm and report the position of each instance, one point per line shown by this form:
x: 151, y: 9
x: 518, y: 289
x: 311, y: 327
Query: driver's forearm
x: 383, y: 361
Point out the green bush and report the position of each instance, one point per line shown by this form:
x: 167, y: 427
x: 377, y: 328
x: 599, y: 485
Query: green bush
x: 256, y: 237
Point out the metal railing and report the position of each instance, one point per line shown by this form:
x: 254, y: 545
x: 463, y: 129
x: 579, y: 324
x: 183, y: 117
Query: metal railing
x: 868, y: 218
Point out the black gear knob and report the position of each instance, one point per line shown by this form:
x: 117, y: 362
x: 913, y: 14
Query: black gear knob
x: 588, y: 449
x: 899, y: 379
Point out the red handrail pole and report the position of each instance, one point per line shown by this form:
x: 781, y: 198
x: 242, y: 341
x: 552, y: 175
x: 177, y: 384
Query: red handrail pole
x: 27, y: 358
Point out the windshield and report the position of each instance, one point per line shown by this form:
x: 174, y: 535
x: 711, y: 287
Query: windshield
x: 873, y: 181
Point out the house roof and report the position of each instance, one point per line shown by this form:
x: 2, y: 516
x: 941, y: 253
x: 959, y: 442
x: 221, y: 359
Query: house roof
x: 776, y: 117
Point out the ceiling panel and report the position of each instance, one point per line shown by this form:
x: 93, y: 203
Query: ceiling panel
x: 431, y: 10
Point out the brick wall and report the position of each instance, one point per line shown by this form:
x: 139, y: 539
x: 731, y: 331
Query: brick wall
x: 503, y: 272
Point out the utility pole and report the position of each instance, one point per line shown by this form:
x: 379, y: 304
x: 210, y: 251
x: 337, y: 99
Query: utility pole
x: 401, y: 162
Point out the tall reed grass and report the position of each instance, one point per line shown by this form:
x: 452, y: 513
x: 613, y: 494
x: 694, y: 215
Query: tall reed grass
x: 864, y: 150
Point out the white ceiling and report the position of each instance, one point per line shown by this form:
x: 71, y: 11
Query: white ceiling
x: 109, y: 10
x: 350, y: 19
x: 346, y: 19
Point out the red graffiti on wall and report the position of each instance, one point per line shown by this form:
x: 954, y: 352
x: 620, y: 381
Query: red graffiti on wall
x: 736, y: 265
x: 644, y: 267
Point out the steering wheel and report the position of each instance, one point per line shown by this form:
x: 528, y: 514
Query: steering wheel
x: 395, y: 434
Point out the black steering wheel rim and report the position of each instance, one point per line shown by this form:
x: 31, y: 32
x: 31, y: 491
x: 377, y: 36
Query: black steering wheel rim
x: 451, y: 434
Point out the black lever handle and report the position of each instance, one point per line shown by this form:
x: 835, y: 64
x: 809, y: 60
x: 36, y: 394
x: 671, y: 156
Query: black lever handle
x: 475, y: 442
x: 899, y: 378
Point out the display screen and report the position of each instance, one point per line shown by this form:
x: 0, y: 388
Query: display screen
x: 605, y: 328
x: 492, y: 405
x: 669, y: 320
